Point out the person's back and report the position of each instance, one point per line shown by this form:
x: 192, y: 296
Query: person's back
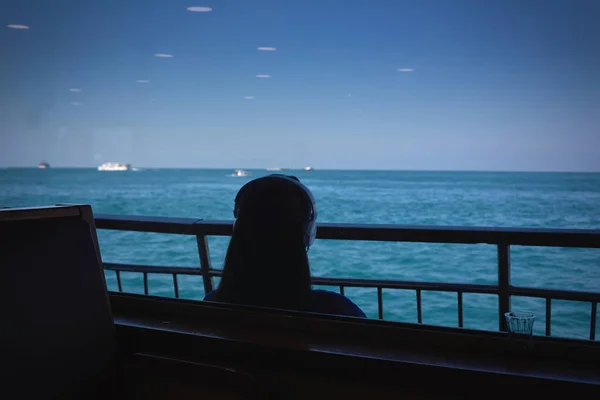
x: 266, y: 263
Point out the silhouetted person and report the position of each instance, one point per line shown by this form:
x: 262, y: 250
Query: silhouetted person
x: 266, y: 263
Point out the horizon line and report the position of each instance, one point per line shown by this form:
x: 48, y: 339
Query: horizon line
x: 323, y: 169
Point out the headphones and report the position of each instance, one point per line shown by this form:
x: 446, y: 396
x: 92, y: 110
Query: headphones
x: 310, y: 225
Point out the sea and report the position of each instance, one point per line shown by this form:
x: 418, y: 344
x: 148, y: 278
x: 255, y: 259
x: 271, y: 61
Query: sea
x: 490, y: 199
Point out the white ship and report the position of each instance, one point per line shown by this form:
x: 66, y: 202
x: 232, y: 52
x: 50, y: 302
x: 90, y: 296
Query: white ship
x: 114, y: 166
x: 240, y: 172
x: 309, y: 168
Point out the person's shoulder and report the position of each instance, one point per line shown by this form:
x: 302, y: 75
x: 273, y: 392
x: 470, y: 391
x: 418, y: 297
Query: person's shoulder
x: 333, y: 303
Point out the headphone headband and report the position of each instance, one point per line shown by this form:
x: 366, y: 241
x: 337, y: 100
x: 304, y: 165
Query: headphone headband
x: 310, y: 226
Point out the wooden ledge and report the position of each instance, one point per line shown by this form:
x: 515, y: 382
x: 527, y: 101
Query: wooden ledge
x: 347, y: 343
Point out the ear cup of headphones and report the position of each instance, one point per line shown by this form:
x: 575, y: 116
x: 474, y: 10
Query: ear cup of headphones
x: 311, y: 234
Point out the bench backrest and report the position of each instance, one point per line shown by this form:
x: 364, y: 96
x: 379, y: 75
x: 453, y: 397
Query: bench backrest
x: 57, y: 332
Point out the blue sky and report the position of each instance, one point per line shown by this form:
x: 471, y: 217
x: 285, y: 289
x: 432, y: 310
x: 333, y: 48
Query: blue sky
x: 493, y: 85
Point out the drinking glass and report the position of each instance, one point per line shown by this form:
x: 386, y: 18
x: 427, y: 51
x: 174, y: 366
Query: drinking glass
x: 520, y: 323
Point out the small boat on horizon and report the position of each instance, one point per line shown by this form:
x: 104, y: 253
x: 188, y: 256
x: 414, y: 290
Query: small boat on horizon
x: 43, y: 165
x: 309, y: 168
x: 277, y: 169
x: 114, y: 166
x: 240, y: 173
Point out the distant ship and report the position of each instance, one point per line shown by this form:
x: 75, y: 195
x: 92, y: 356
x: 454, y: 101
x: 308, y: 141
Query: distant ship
x: 309, y: 168
x: 240, y: 172
x: 277, y: 169
x: 114, y: 166
x: 43, y: 165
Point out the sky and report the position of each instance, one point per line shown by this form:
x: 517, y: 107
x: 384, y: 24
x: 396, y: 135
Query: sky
x: 344, y: 84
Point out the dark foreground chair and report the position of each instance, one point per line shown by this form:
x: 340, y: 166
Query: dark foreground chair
x: 57, y: 338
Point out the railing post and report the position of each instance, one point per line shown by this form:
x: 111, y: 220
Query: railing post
x: 459, y: 296
x: 119, y: 284
x: 145, y: 283
x: 204, y: 263
x: 380, y: 302
x: 503, y: 284
x: 175, y: 286
x: 593, y: 321
x: 548, y: 316
x: 419, y: 309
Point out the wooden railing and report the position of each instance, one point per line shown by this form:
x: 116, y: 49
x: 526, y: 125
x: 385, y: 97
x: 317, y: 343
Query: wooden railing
x: 503, y: 238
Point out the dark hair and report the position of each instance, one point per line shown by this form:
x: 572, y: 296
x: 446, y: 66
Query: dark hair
x: 266, y: 262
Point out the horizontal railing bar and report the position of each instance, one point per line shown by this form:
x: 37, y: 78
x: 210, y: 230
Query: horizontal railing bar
x: 554, y: 294
x: 181, y: 226
x: 406, y: 285
x: 451, y: 287
x: 325, y: 281
x: 585, y: 238
x: 152, y: 269
x: 384, y: 284
x: 461, y: 235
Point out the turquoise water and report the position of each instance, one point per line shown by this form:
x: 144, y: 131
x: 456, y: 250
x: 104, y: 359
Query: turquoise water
x: 552, y: 200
